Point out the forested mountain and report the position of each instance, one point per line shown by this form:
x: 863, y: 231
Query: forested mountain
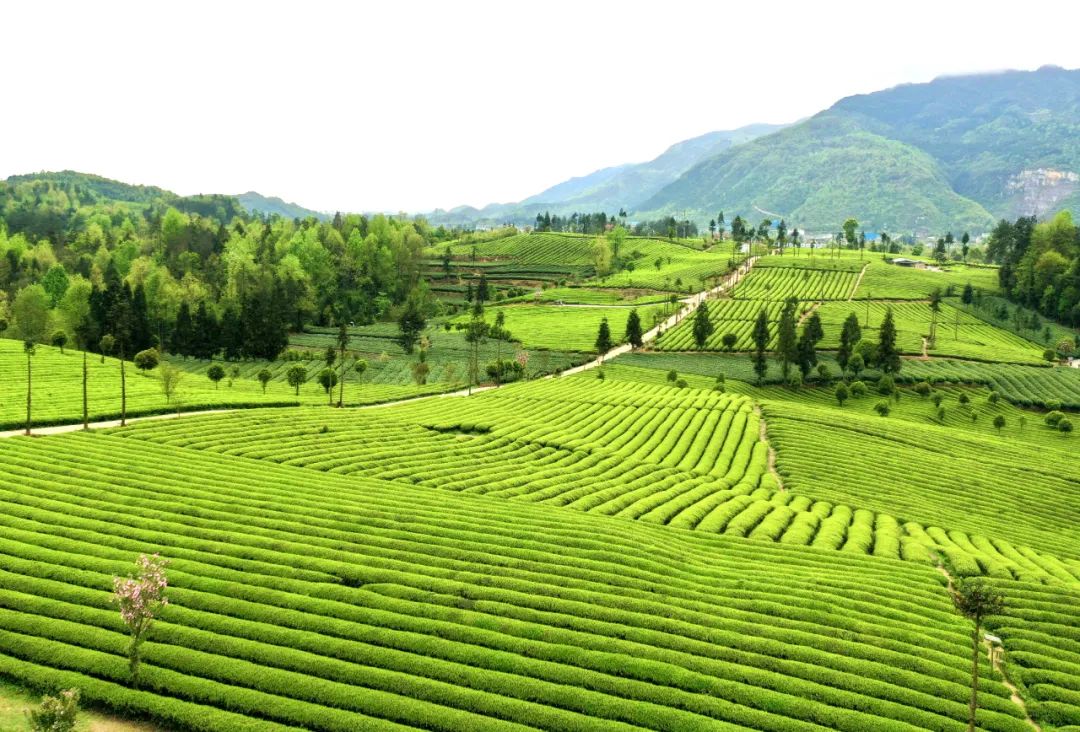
x: 621, y: 187
x: 957, y: 152
x: 93, y: 257
x: 272, y: 205
x: 628, y: 186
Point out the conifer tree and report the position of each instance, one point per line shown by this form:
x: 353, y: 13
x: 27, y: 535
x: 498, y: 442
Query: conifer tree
x: 634, y: 334
x: 761, y: 343
x: 703, y: 327
x: 786, y: 342
x: 603, y: 338
x: 888, y: 356
x: 850, y: 334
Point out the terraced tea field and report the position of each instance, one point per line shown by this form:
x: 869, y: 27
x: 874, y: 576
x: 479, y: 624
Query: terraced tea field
x: 57, y: 388
x: 637, y: 551
x: 780, y: 283
x: 564, y: 327
x: 727, y: 316
x: 958, y: 333
x: 892, y: 282
x: 448, y: 611
x: 1023, y: 385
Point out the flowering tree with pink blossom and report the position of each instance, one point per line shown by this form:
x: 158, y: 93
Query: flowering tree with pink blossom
x: 140, y: 599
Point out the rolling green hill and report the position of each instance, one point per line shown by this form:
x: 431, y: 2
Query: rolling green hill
x: 270, y: 205
x: 953, y: 153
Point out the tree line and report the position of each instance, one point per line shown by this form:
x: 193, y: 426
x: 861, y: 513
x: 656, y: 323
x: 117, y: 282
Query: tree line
x: 200, y: 280
x: 1040, y: 264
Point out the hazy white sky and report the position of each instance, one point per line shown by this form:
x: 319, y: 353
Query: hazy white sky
x: 415, y: 105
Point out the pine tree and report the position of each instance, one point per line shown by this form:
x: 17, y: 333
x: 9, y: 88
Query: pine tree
x: 231, y: 335
x: 786, y: 342
x: 850, y: 334
x: 412, y: 321
x: 603, y: 338
x: 205, y: 338
x: 703, y: 327
x: 634, y: 334
x: 888, y: 356
x: 807, y: 348
x: 183, y: 331
x: 482, y: 293
x: 142, y: 333
x: 761, y: 343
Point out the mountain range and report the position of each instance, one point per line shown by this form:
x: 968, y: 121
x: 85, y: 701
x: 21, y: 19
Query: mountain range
x: 954, y: 153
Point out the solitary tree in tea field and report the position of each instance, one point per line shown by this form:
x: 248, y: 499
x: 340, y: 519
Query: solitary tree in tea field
x: 140, y: 599
x: 703, y: 327
x: 976, y: 599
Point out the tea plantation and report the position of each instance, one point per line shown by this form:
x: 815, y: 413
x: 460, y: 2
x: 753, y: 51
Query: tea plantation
x: 666, y: 540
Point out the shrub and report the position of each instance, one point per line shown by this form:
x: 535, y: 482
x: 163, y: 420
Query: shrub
x: 923, y: 388
x: 999, y: 422
x: 882, y: 408
x: 296, y: 376
x: 964, y: 399
x: 1053, y: 419
x: 504, y: 371
x: 886, y: 385
x: 858, y: 389
x: 56, y: 713
x: 937, y: 397
x: 823, y: 372
x: 1065, y: 425
x: 795, y: 380
x: 994, y: 397
x: 328, y: 379
x: 59, y: 339
x: 264, y: 377
x: 841, y: 393
x: 215, y: 373
x: 146, y: 360
x: 681, y: 384
x: 729, y: 340
x: 672, y: 376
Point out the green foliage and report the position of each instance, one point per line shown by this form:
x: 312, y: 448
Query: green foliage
x: 147, y: 360
x: 215, y: 373
x: 56, y: 713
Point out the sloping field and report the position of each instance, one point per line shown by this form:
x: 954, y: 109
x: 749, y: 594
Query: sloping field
x: 685, y: 458
x: 318, y: 601
x: 1025, y: 385
x: 564, y: 327
x: 57, y: 387
x: 932, y: 475
x: 892, y: 282
x: 958, y: 333
x: 780, y: 283
x: 727, y: 316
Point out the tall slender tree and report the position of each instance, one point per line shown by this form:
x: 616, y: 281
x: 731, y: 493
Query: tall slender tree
x: 807, y: 347
x: 888, y: 357
x: 342, y: 343
x: 759, y: 356
x: 29, y: 349
x: 634, y: 334
x: 935, y: 309
x: 603, y: 338
x: 703, y: 327
x: 786, y: 338
x: 976, y: 599
x: 850, y: 334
